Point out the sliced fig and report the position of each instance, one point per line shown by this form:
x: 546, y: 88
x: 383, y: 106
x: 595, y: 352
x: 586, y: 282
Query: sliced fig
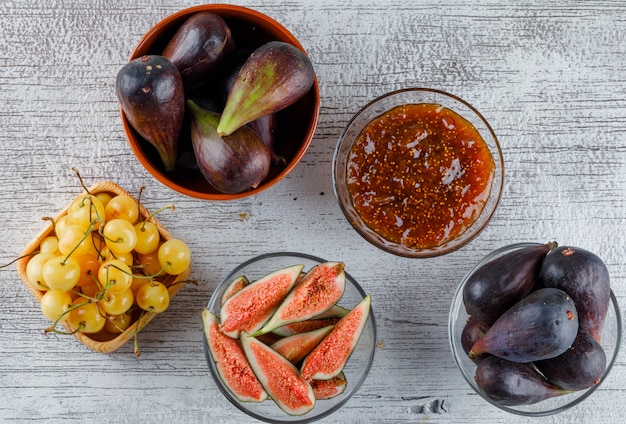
x: 319, y: 290
x: 328, y: 389
x: 303, y: 326
x: 295, y: 348
x: 234, y: 286
x: 329, y: 357
x: 584, y: 276
x: 541, y: 326
x: 249, y: 308
x: 279, y: 377
x: 231, y: 164
x: 275, y: 76
x: 231, y: 362
x: 335, y: 311
x: 500, y: 283
x: 151, y: 94
x: 199, y: 47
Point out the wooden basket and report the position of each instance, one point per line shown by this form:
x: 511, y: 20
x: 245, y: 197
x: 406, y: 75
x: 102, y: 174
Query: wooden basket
x: 103, y: 341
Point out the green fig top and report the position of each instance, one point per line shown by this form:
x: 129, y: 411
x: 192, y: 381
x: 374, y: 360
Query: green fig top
x: 276, y: 75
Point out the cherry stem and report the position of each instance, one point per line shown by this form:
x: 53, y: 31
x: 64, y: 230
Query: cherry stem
x: 80, y: 179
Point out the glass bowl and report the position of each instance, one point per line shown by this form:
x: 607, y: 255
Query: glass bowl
x: 356, y: 369
x: 611, y: 339
x: 295, y: 126
x: 420, y: 96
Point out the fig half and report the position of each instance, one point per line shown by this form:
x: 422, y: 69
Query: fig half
x: 329, y: 357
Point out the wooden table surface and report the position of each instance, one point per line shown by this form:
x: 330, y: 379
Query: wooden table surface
x: 550, y: 77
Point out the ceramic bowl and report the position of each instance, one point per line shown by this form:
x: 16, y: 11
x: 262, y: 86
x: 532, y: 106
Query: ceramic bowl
x: 356, y: 369
x: 610, y: 341
x: 342, y: 163
x: 296, y: 124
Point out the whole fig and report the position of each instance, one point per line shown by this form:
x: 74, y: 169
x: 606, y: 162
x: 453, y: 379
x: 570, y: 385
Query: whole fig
x: 472, y: 331
x: 584, y: 276
x: 199, y: 47
x: 150, y: 92
x: 579, y: 367
x: 500, y: 283
x: 231, y: 164
x: 542, y: 325
x: 275, y: 76
x: 511, y: 383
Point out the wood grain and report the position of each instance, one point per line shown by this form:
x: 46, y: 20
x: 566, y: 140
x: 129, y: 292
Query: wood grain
x: 548, y: 76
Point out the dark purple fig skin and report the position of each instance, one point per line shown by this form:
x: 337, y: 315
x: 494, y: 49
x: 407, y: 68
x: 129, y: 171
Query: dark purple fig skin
x: 541, y: 326
x: 266, y: 127
x: 500, y: 283
x: 583, y: 276
x: 275, y: 76
x: 472, y: 331
x: 510, y: 384
x: 579, y: 367
x: 231, y: 164
x: 199, y: 47
x: 150, y: 91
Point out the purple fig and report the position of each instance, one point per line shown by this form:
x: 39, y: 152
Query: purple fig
x: 266, y: 127
x: 579, y: 367
x: 510, y: 383
x: 498, y: 284
x: 472, y: 331
x: 233, y: 163
x: 150, y: 92
x: 584, y: 276
x: 542, y: 325
x: 199, y: 47
x: 275, y: 76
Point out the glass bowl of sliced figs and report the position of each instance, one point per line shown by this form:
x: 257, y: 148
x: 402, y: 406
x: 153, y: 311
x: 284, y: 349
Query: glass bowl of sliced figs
x: 289, y: 337
x: 218, y: 102
x: 535, y: 328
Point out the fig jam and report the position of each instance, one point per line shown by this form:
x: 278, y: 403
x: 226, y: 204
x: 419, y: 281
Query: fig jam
x: 419, y: 175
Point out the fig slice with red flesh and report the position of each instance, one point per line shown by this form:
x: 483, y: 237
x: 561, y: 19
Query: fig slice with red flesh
x: 303, y: 326
x: 279, y: 377
x: 318, y: 291
x: 328, y: 317
x: 294, y: 348
x: 234, y: 286
x: 328, y: 389
x: 231, y: 362
x: 249, y: 308
x: 329, y: 357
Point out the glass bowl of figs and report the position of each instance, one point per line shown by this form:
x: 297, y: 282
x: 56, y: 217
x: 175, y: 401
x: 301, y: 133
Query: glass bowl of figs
x: 535, y: 328
x: 218, y: 102
x: 289, y: 337
x: 418, y: 172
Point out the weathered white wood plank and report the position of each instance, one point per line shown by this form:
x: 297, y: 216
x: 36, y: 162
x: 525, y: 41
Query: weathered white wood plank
x: 549, y: 77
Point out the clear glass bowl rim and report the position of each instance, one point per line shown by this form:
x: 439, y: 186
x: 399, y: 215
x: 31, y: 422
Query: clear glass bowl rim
x: 457, y: 303
x: 215, y: 297
x: 368, y: 234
